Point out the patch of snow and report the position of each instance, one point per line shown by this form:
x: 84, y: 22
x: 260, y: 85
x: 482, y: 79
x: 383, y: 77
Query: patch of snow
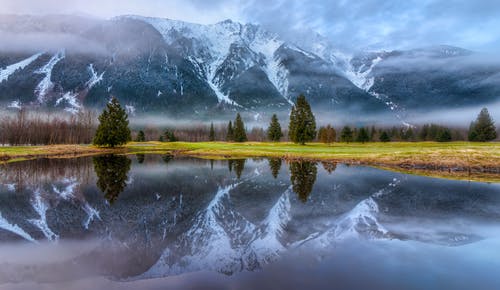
x: 268, y: 244
x: 41, y: 208
x: 362, y: 77
x: 275, y: 70
x: 70, y: 98
x: 43, y: 88
x: 66, y: 193
x: 13, y: 228
x: 10, y: 186
x: 307, y: 54
x: 209, y: 77
x: 92, y: 214
x: 94, y: 77
x: 15, y: 105
x: 130, y: 110
x: 9, y: 70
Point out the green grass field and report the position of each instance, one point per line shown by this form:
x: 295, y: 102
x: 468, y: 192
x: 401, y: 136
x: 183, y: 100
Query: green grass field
x: 453, y: 153
x: 452, y: 159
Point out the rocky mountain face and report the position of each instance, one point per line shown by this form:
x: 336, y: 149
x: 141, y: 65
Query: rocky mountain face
x: 189, y: 70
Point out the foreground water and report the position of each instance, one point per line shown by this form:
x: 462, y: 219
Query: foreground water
x: 155, y: 222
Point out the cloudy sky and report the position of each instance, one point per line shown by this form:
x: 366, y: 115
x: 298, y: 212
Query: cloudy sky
x: 361, y: 24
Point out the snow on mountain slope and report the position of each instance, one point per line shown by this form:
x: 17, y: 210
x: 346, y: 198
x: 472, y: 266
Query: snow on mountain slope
x: 361, y: 77
x: 94, y: 77
x: 46, y: 84
x: 70, y: 98
x: 13, y: 228
x: 267, y: 244
x: 221, y: 239
x: 213, y: 44
x: 6, y: 72
x: 361, y: 221
x: 41, y: 207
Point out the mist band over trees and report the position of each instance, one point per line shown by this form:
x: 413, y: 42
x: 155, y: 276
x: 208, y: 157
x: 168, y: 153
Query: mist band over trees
x: 31, y: 128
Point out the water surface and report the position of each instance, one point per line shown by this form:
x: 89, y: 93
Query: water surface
x: 153, y: 221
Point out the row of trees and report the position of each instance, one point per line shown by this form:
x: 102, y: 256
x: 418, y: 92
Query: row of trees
x: 328, y: 134
x: 113, y: 129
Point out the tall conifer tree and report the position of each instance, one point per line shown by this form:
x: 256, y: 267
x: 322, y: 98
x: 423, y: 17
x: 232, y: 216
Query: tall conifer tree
x: 483, y: 129
x: 230, y: 132
x: 211, y: 135
x: 302, y: 127
x: 113, y: 127
x: 240, y: 134
x: 274, y: 132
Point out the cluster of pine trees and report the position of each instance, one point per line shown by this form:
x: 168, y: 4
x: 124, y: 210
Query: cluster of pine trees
x: 236, y: 132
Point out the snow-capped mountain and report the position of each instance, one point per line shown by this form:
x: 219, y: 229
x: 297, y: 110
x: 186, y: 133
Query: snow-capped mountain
x: 186, y: 69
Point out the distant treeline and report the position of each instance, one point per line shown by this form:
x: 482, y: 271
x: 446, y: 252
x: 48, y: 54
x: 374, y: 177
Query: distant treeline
x: 201, y: 133
x: 26, y: 128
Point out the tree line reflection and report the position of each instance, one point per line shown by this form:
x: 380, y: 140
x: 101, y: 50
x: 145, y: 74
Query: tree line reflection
x: 112, y: 173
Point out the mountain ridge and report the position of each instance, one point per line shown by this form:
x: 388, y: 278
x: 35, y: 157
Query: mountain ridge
x: 187, y: 69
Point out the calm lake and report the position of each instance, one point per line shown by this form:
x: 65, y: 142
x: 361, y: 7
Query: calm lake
x: 158, y: 222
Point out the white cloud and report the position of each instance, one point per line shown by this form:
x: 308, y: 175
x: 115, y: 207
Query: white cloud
x: 355, y: 24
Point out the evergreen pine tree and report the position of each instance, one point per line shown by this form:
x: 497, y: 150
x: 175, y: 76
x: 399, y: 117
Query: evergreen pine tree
x: 346, y: 134
x: 372, y: 133
x: 230, y: 132
x: 424, y: 133
x: 211, y: 135
x: 113, y: 127
x: 240, y: 134
x: 444, y: 135
x: 384, y: 137
x: 170, y: 136
x: 274, y: 132
x: 141, y: 137
x: 302, y: 127
x: 409, y: 134
x: 362, y: 135
x: 483, y: 129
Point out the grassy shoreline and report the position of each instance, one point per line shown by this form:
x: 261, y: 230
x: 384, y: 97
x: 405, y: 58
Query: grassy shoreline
x: 460, y: 160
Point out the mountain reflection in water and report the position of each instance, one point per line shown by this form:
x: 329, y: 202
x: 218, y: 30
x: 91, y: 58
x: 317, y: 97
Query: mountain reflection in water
x: 131, y: 218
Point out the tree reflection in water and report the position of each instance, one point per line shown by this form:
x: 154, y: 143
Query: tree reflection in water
x: 303, y: 176
x: 329, y: 166
x: 275, y: 166
x: 140, y: 158
x: 111, y: 171
x: 167, y: 158
x: 238, y: 165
